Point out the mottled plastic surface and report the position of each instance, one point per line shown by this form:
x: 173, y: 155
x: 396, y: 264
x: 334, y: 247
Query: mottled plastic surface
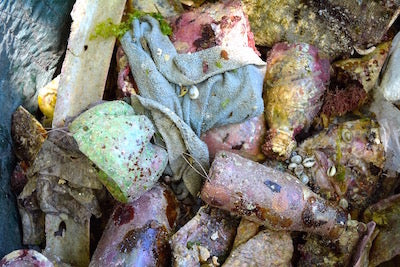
x: 243, y: 138
x: 137, y: 233
x: 118, y: 142
x: 223, y: 24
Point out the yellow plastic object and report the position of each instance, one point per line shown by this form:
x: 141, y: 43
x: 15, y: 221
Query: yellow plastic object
x: 47, y: 98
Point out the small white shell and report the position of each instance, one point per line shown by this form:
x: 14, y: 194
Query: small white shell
x: 296, y: 159
x: 299, y: 170
x: 331, y: 171
x: 193, y: 92
x: 304, y: 178
x: 309, y: 162
x: 292, y: 166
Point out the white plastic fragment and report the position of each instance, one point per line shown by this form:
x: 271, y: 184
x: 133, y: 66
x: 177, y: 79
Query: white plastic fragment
x: 388, y: 117
x: 390, y: 84
x: 85, y: 68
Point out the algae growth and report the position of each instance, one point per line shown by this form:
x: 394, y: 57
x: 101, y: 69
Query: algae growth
x: 108, y: 28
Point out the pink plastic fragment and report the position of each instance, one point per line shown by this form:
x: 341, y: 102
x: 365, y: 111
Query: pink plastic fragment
x: 243, y: 138
x: 222, y: 24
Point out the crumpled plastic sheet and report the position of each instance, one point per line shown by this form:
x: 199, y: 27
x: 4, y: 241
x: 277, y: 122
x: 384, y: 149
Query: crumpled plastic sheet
x: 31, y: 45
x: 66, y: 180
x: 230, y: 91
x: 388, y: 117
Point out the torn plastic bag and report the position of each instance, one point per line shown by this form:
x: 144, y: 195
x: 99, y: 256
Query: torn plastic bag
x: 390, y: 83
x: 66, y: 191
x: 227, y: 91
x: 388, y: 117
x: 32, y: 37
x: 66, y: 180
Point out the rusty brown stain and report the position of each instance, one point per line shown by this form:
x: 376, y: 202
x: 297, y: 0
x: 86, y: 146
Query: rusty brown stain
x: 224, y: 55
x: 151, y: 241
x: 123, y: 214
x: 172, y: 208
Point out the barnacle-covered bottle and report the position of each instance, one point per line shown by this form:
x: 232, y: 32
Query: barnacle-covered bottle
x: 293, y: 87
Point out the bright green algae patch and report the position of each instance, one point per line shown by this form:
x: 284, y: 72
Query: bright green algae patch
x: 118, y: 142
x: 108, y: 28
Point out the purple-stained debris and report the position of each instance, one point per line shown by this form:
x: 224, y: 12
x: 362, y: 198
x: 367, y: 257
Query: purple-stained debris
x: 125, y: 82
x: 18, y: 178
x: 212, y: 24
x: 137, y: 233
x: 243, y: 138
x: 25, y: 257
